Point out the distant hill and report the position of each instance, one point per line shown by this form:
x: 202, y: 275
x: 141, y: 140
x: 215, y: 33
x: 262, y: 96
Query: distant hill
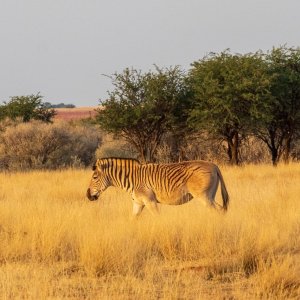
x: 60, y: 105
x: 77, y: 113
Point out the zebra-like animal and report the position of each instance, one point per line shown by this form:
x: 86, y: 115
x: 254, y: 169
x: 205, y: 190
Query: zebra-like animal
x: 149, y: 184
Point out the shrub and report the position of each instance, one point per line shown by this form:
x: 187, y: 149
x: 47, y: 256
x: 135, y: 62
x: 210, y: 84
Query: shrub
x: 27, y: 108
x: 113, y: 147
x: 37, y: 145
x: 202, y: 147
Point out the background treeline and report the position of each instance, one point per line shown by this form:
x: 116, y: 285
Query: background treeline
x: 230, y: 99
x: 236, y: 108
x: 59, y: 105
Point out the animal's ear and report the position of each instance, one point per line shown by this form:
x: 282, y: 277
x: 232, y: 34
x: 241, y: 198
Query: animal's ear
x: 95, y: 165
x: 99, y: 166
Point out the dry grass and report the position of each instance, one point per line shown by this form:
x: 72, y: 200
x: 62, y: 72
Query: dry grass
x: 56, y: 244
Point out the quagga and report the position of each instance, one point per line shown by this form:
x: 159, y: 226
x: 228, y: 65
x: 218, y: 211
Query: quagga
x: 149, y: 184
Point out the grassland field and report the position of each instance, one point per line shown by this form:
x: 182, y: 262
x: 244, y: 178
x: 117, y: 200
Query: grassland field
x: 55, y: 244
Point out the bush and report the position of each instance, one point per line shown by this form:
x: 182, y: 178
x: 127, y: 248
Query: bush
x: 201, y: 147
x: 113, y: 147
x: 37, y: 145
x: 27, y: 108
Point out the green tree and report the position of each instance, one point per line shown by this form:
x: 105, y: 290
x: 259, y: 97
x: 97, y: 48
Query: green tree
x: 141, y: 107
x: 229, y: 91
x: 282, y: 127
x: 27, y: 108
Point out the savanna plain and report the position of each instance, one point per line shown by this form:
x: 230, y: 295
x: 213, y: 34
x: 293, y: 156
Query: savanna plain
x: 55, y: 244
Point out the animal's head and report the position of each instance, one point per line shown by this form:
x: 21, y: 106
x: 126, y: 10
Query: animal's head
x: 99, y: 182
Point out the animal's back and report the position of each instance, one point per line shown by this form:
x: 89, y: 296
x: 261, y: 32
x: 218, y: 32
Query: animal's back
x: 171, y: 183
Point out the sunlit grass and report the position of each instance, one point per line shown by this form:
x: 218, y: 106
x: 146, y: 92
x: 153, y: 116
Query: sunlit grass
x: 54, y: 243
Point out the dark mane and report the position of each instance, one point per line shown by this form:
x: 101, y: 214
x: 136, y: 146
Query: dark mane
x: 115, y: 158
x: 122, y: 158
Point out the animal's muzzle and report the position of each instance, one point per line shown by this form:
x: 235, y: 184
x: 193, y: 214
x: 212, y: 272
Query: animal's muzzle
x: 90, y: 196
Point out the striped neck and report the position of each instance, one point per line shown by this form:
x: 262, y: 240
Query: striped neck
x: 121, y: 172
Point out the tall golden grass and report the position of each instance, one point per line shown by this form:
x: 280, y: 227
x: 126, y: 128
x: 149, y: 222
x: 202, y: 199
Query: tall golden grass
x: 56, y: 244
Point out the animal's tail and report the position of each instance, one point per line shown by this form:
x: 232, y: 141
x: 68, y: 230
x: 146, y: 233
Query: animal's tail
x: 224, y: 192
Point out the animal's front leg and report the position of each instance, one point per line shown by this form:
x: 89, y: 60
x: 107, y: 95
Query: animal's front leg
x: 137, y: 209
x: 146, y: 197
x: 152, y: 207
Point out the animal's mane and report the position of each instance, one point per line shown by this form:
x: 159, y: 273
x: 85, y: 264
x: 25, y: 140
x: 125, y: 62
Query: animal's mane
x: 122, y: 158
x: 115, y: 158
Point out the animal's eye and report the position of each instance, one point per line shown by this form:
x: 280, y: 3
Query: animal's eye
x: 95, y: 176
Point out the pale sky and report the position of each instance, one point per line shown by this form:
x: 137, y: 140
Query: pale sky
x: 60, y: 48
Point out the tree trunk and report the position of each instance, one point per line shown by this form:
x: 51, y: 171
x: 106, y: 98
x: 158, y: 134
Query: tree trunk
x: 274, y: 154
x: 287, y: 150
x: 178, y: 147
x: 146, y: 153
x: 233, y: 148
x: 142, y: 153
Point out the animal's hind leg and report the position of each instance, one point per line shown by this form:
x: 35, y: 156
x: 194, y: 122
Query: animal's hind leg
x: 204, y: 189
x: 203, y: 197
x: 211, y: 192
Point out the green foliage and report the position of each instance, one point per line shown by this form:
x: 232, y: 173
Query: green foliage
x: 280, y: 130
x: 230, y: 93
x: 226, y: 97
x: 141, y: 107
x: 26, y: 108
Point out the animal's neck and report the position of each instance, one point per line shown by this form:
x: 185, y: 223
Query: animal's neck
x: 123, y: 173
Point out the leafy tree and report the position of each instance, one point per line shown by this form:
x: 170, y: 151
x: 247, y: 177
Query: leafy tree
x: 141, y: 107
x: 283, y: 126
x: 229, y: 92
x: 27, y: 108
